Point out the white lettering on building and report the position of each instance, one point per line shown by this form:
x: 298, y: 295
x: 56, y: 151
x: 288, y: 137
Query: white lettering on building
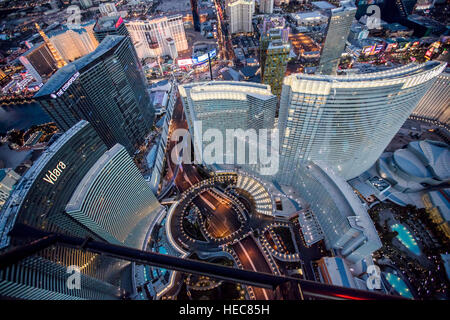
x: 53, y: 175
x: 67, y: 84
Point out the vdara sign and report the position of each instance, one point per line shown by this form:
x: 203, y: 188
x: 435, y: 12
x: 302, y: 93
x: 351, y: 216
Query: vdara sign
x: 53, y: 175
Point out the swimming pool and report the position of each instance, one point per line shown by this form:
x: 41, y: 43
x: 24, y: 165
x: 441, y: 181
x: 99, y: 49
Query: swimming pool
x: 399, y: 285
x: 406, y: 238
x: 161, y: 250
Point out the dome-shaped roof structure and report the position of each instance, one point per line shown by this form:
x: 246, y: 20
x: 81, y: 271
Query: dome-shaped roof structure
x: 410, y: 163
x: 438, y: 156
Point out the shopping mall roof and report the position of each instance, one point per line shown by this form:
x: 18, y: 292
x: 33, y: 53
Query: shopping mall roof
x: 324, y: 5
x: 435, y: 155
x: 410, y: 163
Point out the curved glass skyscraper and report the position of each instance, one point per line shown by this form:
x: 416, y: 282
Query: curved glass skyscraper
x: 114, y: 201
x: 347, y: 121
x: 77, y: 187
x: 38, y: 201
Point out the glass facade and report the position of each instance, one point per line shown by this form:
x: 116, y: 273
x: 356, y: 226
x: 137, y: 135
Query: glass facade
x: 435, y: 105
x: 114, y: 201
x: 107, y: 88
x: 39, y: 201
x: 344, y: 221
x: 225, y: 105
x: 337, y: 32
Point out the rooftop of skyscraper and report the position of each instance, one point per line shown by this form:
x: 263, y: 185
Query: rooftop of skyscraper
x: 395, y: 73
x: 278, y: 44
x: 204, y: 90
x: 324, y: 5
x: 344, y: 6
x: 63, y: 75
x: 65, y: 28
x: 108, y: 23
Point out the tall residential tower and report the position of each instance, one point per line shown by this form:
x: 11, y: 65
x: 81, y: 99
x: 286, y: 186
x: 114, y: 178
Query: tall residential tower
x: 241, y: 14
x: 274, y: 55
x: 153, y: 38
x: 266, y: 6
x: 337, y: 32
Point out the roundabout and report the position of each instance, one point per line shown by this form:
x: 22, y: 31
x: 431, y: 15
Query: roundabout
x: 217, y: 211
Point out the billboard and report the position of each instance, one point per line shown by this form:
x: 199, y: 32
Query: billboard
x: 204, y: 57
x: 367, y: 50
x: 185, y: 62
x: 119, y: 22
x: 378, y: 48
x: 201, y: 58
x: 429, y: 53
x: 390, y: 46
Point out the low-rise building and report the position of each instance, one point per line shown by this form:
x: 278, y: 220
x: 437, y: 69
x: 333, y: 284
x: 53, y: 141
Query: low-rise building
x: 312, y: 18
x: 8, y: 179
x: 437, y: 204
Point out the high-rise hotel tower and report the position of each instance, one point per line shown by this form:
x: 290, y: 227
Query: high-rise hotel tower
x: 114, y: 200
x: 240, y: 15
x: 222, y: 105
x: 347, y: 121
x: 38, y: 201
x: 105, y: 87
x: 78, y: 188
x: 153, y: 38
x: 435, y: 105
x: 341, y: 20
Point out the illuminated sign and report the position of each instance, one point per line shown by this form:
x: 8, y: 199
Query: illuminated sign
x: 429, y: 53
x: 52, y: 176
x: 204, y: 57
x: 389, y: 47
x: 436, y: 44
x: 378, y: 48
x: 119, y: 22
x: 367, y: 49
x: 66, y: 86
x: 185, y: 62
